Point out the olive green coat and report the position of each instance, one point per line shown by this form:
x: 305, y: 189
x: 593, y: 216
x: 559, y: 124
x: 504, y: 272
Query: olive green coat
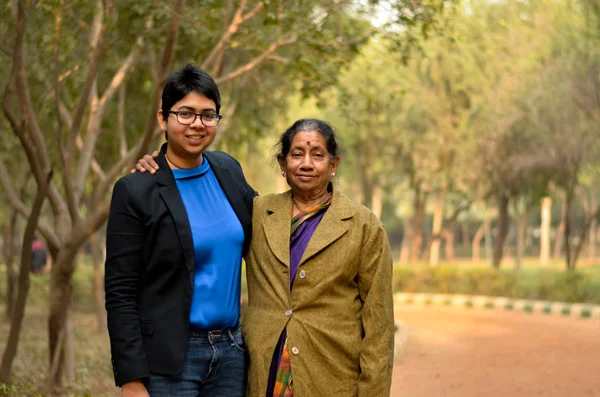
x: 341, y: 326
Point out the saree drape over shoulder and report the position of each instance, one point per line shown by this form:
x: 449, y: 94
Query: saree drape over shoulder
x: 338, y: 317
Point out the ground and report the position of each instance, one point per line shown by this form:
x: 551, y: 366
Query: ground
x: 475, y: 352
x: 449, y: 352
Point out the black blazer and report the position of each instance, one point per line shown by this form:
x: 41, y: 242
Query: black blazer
x: 149, y: 269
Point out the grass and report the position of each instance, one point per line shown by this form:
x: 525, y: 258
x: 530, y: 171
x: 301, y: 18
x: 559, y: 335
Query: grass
x: 93, y: 373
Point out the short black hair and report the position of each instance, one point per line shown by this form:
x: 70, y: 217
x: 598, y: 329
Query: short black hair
x: 188, y: 79
x: 320, y: 126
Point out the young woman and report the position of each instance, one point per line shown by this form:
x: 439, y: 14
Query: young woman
x: 174, y: 245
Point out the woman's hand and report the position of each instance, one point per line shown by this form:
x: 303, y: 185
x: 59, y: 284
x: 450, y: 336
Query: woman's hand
x: 134, y: 388
x: 147, y: 163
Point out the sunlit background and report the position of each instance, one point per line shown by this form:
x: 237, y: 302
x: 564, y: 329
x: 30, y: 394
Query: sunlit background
x: 471, y: 128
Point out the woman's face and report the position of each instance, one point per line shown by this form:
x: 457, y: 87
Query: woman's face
x: 188, y: 142
x: 308, y: 165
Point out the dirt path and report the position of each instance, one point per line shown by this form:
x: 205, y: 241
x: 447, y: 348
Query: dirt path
x: 453, y: 352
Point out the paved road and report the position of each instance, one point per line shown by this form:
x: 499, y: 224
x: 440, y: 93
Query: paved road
x: 454, y: 352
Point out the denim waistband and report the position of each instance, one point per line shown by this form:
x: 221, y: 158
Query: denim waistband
x: 213, y: 334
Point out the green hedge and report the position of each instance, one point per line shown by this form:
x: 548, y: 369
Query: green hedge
x: 540, y: 284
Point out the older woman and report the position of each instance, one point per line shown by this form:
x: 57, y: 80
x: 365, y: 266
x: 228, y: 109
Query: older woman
x: 319, y: 320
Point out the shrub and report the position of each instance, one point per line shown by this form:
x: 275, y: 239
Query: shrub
x: 540, y: 284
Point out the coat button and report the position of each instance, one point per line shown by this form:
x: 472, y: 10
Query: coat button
x: 288, y: 312
x: 302, y: 274
x: 295, y: 350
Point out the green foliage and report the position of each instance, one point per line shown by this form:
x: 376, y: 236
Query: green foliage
x: 569, y: 286
x: 581, y: 286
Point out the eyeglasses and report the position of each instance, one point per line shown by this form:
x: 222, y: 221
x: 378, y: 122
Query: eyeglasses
x: 187, y: 118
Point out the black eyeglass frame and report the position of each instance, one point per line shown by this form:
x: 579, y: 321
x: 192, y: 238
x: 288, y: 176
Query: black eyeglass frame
x: 218, y: 117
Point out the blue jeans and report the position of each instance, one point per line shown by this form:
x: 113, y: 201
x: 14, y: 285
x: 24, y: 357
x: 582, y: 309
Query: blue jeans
x: 215, y: 365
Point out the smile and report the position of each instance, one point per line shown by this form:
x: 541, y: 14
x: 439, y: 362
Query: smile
x: 195, y: 137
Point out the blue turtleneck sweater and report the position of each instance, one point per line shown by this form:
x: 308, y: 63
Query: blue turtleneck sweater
x: 218, y: 239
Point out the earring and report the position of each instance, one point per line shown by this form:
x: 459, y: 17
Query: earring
x: 332, y: 174
x: 283, y: 174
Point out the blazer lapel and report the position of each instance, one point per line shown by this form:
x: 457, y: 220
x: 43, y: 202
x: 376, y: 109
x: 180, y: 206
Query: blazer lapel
x: 330, y: 228
x: 170, y: 195
x: 277, y: 226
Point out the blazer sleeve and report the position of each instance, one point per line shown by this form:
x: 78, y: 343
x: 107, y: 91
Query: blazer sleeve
x: 122, y: 279
x: 375, y: 288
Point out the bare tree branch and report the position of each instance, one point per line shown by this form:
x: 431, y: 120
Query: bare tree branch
x: 149, y: 132
x: 238, y: 20
x: 96, y: 117
x: 98, y: 30
x: 169, y: 53
x: 35, y: 148
x: 121, y: 117
x: 20, y: 207
x: 287, y: 39
x: 63, y: 113
x: 278, y: 58
x: 19, y: 310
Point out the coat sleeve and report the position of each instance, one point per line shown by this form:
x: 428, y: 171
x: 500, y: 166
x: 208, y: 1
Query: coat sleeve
x: 375, y: 288
x: 122, y: 279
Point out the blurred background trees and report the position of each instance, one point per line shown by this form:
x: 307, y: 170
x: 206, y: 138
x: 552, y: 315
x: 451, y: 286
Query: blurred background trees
x: 457, y: 119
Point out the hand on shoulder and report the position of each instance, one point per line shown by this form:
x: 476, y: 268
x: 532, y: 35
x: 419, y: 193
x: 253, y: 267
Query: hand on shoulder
x: 146, y: 163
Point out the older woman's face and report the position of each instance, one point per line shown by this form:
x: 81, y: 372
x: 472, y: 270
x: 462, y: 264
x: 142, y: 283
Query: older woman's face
x: 308, y: 165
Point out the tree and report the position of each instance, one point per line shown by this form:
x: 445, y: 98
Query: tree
x: 63, y: 114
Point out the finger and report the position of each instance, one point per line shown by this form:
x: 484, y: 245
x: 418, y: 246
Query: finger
x: 146, y: 166
x: 150, y: 161
x: 140, y: 167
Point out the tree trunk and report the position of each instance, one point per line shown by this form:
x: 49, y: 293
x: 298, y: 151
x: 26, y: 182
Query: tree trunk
x: 366, y: 184
x: 425, y: 253
x: 23, y: 289
x: 448, y: 235
x: 11, y: 275
x: 593, y: 241
x: 593, y: 216
x: 545, y: 231
x: 593, y: 230
x: 465, y: 235
x: 558, y: 241
x: 61, y: 297
x: 98, y: 282
x: 438, y: 223
x: 405, y: 245
x: 569, y: 196
x: 417, y: 227
x: 502, y: 202
x: 377, y: 201
x: 477, y: 241
x: 522, y: 223
x: 488, y: 240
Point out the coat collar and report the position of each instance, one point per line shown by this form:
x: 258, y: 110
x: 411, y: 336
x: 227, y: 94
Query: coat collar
x: 277, y: 226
